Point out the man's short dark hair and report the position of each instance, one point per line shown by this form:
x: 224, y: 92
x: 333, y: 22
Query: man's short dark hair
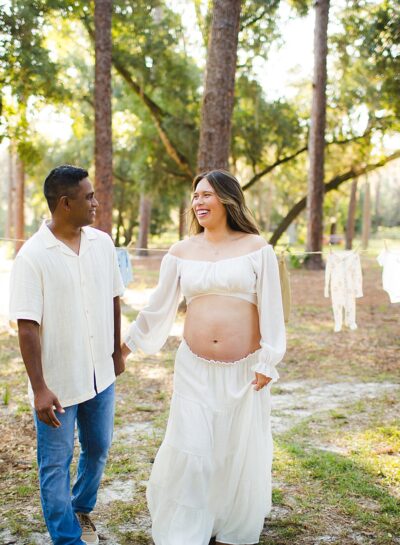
x: 62, y: 180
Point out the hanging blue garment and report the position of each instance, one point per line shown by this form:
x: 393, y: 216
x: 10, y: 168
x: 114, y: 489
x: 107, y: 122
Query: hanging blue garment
x: 125, y: 265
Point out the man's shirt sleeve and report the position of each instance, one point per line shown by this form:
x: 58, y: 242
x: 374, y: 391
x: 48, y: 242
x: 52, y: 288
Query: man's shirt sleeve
x: 26, y: 292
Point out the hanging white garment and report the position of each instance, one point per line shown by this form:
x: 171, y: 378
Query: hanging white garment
x: 343, y: 278
x: 390, y: 261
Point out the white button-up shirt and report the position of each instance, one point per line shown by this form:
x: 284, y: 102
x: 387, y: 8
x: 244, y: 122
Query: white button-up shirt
x: 71, y: 297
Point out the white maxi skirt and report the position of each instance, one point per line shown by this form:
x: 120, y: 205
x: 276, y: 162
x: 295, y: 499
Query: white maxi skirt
x: 212, y: 473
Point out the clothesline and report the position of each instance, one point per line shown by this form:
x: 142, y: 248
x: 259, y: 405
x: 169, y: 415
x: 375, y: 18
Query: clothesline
x: 286, y: 250
x: 13, y: 239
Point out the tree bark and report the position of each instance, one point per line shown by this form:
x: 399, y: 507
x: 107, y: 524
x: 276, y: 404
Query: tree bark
x: 351, y: 216
x: 182, y: 218
x: 103, y: 121
x: 10, y: 222
x: 120, y: 219
x: 377, y: 215
x: 144, y: 225
x: 19, y: 204
x: 315, y: 195
x: 334, y: 183
x: 366, y: 224
x: 218, y: 98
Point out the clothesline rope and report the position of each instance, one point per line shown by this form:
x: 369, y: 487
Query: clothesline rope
x: 286, y: 250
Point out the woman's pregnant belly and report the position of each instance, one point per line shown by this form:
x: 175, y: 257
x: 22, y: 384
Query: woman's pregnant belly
x: 222, y: 328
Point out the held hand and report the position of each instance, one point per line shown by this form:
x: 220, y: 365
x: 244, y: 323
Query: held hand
x: 45, y: 404
x: 260, y: 381
x: 119, y: 363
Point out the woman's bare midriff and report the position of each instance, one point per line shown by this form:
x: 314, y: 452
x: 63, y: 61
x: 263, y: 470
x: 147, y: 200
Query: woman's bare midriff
x: 222, y: 328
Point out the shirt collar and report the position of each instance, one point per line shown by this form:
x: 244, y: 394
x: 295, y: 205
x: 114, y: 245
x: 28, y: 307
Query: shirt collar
x: 51, y: 241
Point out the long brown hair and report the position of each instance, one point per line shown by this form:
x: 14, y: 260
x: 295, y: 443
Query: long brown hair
x: 231, y: 195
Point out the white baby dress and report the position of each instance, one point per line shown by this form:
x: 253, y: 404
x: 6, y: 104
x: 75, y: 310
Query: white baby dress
x: 343, y: 279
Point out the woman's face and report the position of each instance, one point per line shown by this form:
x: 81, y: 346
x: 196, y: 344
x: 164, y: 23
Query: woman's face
x: 209, y: 210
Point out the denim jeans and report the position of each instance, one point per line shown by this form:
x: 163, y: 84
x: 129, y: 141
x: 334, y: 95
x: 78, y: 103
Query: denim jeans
x: 55, y: 447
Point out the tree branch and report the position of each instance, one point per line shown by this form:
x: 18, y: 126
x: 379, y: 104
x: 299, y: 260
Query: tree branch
x: 288, y: 158
x: 253, y: 20
x: 334, y: 183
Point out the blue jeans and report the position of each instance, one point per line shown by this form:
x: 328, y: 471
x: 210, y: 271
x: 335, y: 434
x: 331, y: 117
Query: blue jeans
x: 55, y: 447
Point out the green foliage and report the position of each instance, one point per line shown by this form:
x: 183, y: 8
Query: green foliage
x: 263, y: 131
x: 258, y: 31
x: 47, y: 59
x: 25, y: 64
x: 6, y: 395
x: 368, y: 50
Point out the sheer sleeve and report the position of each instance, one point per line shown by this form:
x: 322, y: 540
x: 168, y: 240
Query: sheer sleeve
x: 151, y: 328
x: 270, y: 309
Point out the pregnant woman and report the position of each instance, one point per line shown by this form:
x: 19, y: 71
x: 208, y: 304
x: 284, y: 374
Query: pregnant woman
x: 212, y: 474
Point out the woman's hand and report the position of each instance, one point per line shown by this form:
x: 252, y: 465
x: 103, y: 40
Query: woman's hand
x: 125, y: 351
x: 260, y: 381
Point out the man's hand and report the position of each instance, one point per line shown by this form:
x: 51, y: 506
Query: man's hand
x: 45, y: 403
x: 119, y: 363
x: 260, y: 381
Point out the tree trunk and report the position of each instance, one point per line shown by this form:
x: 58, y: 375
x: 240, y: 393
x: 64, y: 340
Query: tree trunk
x: 377, y: 215
x: 351, y: 216
x: 128, y: 231
x: 10, y: 222
x: 218, y: 98
x: 120, y: 220
x: 267, y: 209
x: 315, y: 196
x: 182, y: 218
x: 366, y: 224
x: 102, y: 105
x: 19, y: 204
x: 144, y: 225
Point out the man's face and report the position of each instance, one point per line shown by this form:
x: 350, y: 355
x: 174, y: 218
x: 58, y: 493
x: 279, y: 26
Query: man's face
x: 83, y: 204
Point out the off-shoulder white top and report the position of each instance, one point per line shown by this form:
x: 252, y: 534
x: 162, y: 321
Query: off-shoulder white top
x: 253, y: 277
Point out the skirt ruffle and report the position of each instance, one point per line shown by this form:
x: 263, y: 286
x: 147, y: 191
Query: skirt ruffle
x: 212, y: 473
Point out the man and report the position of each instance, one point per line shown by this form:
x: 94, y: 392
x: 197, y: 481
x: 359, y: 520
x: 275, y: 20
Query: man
x: 65, y: 288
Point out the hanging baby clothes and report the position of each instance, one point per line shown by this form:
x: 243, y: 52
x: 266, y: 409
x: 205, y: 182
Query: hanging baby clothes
x: 344, y: 278
x: 390, y: 261
x: 125, y: 266
x: 284, y: 278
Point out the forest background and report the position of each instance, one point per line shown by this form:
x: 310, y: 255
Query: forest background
x: 335, y: 417
x: 159, y: 53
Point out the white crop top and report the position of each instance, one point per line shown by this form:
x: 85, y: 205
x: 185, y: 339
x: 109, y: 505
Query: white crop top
x: 253, y: 277
x: 234, y: 277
